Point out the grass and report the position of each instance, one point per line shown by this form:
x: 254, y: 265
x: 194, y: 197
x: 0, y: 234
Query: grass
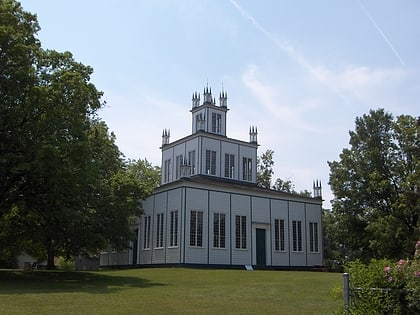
x: 168, y: 291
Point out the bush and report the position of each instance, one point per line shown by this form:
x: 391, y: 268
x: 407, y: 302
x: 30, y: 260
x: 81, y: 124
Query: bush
x: 385, y: 287
x: 65, y: 264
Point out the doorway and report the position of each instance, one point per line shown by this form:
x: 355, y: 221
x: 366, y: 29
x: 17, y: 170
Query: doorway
x: 260, y: 244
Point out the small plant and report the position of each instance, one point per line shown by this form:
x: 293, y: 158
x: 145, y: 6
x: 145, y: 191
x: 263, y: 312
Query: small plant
x: 385, y: 287
x: 66, y: 264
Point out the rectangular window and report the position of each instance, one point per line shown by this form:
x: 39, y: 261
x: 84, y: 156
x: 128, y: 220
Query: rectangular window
x: 210, y: 162
x: 196, y: 228
x: 173, y: 229
x: 229, y: 165
x: 240, y: 232
x: 279, y: 235
x: 297, y: 236
x: 167, y: 171
x: 313, y: 237
x: 191, y: 161
x: 247, y: 169
x: 178, y: 164
x: 146, y: 235
x: 216, y: 123
x: 159, y: 230
x: 219, y: 230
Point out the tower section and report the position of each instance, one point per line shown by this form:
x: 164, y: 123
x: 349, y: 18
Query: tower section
x: 208, y: 116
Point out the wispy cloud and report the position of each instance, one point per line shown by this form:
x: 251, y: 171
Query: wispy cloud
x: 289, y: 50
x: 385, y: 38
x: 274, y: 101
x: 352, y: 79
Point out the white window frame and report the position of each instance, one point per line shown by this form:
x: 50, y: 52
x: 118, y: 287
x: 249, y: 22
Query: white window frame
x: 313, y: 237
x: 191, y: 161
x: 247, y: 169
x: 178, y: 165
x: 146, y: 232
x: 219, y: 230
x: 159, y: 230
x: 196, y: 228
x: 210, y: 162
x: 240, y: 232
x: 229, y: 165
x: 173, y: 228
x: 297, y: 244
x: 280, y: 235
x: 167, y: 171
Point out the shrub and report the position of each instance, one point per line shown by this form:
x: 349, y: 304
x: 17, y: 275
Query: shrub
x: 385, y: 287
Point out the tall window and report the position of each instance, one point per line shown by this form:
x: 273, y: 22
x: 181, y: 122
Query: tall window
x: 247, y: 169
x: 313, y: 237
x: 166, y: 170
x: 159, y: 230
x: 191, y: 161
x: 240, y: 231
x: 196, y: 228
x: 178, y: 164
x: 210, y: 162
x: 219, y: 230
x: 146, y: 235
x: 297, y: 236
x: 229, y: 165
x: 173, y: 228
x: 279, y: 235
x: 216, y: 123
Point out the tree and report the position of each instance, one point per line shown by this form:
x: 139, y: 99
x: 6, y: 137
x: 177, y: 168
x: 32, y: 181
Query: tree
x: 284, y: 185
x: 65, y: 188
x: 265, y: 172
x: 375, y: 184
x: 265, y: 169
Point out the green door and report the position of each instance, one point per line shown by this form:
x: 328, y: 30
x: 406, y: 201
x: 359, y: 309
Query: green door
x: 260, y: 242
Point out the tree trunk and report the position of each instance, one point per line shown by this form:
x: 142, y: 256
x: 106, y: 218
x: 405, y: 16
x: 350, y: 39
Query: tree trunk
x: 50, y: 260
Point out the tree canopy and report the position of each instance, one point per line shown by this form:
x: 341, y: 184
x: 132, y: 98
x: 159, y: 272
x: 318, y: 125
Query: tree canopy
x: 65, y: 187
x: 376, y: 184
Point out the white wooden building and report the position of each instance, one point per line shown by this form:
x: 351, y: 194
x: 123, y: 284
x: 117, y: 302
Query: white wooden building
x: 210, y: 211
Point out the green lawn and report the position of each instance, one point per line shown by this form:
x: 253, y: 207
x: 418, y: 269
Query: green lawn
x: 168, y: 291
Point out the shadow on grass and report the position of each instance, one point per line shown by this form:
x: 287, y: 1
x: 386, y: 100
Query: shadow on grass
x: 18, y: 282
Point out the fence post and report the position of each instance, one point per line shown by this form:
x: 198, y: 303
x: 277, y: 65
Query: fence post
x: 346, y: 291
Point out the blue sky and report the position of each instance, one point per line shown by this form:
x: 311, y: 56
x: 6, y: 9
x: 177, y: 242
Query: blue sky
x: 301, y: 71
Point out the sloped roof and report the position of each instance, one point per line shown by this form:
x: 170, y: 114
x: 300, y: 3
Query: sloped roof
x: 222, y: 184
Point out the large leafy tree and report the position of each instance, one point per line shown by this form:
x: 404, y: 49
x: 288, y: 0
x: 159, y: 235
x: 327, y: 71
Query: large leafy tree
x: 64, y: 187
x: 376, y: 187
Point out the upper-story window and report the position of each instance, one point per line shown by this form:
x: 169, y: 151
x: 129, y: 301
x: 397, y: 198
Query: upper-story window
x: 247, y: 169
x: 216, y: 123
x: 229, y: 165
x: 191, y: 161
x: 178, y: 164
x: 167, y: 171
x: 210, y: 162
